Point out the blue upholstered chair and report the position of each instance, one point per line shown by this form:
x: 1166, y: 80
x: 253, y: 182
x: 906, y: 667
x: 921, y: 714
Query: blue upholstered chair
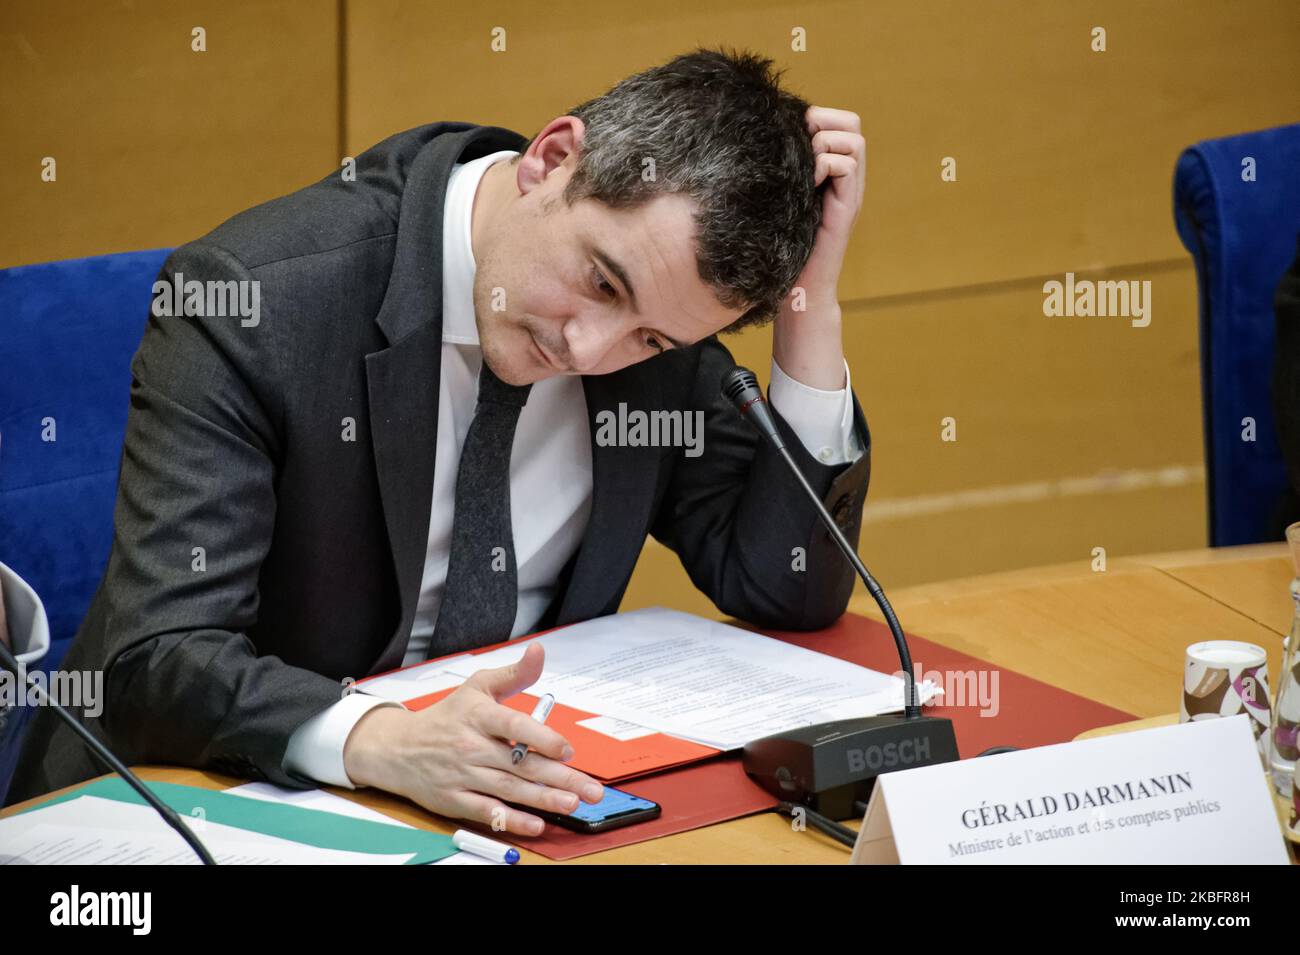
x: 1237, y: 208
x: 67, y: 334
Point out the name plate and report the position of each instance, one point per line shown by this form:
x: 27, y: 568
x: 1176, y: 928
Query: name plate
x: 1191, y: 793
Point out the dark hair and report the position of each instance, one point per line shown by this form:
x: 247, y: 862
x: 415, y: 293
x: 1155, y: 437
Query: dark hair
x: 721, y: 131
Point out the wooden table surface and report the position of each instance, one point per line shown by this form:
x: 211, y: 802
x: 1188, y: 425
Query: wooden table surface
x: 1115, y: 636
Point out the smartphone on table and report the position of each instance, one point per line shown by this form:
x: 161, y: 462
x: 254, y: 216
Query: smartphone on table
x: 616, y: 810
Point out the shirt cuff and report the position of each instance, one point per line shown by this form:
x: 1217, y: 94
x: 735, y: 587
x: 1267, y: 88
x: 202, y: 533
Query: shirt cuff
x: 316, y: 747
x: 823, y: 420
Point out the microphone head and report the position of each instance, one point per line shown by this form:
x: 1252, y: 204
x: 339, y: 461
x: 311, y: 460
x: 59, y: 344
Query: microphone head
x: 740, y: 386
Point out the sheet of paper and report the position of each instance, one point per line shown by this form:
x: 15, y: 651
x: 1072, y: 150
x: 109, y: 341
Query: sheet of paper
x: 698, y: 679
x: 312, y: 799
x: 417, y: 681
x: 328, y: 802
x: 93, y: 831
x: 618, y: 729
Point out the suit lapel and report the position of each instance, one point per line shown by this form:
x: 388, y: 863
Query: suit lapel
x: 402, y: 379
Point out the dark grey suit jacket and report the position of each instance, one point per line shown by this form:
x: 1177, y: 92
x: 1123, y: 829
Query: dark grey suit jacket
x: 313, y: 547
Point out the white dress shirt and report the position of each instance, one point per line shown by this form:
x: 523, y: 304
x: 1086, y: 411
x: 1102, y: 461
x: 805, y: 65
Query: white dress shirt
x: 550, y: 472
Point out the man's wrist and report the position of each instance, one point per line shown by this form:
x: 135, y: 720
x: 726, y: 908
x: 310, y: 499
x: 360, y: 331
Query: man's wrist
x: 808, y: 345
x: 370, y: 752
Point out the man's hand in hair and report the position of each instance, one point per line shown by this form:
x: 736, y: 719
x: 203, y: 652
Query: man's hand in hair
x: 806, y: 337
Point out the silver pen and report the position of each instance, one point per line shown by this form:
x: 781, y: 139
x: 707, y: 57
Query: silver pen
x: 540, y: 712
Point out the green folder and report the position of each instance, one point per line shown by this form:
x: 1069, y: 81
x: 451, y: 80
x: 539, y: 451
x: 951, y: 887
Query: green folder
x: 313, y: 827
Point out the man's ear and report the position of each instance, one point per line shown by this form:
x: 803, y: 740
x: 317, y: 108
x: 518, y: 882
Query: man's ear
x: 558, y: 144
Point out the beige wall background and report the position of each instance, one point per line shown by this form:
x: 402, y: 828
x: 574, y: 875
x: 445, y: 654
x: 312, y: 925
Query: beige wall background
x: 1072, y: 433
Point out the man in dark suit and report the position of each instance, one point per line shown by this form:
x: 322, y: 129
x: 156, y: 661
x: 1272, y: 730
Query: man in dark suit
x: 383, y: 442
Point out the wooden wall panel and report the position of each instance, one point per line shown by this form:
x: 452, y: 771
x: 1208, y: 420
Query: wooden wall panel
x: 156, y: 144
x: 1064, y: 156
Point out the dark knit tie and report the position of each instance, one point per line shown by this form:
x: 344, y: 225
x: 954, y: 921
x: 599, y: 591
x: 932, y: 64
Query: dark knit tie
x: 482, y: 589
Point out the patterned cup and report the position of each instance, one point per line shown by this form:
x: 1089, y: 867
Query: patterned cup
x: 1224, y: 678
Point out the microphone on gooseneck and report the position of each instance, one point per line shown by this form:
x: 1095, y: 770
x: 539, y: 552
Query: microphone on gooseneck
x: 169, y: 815
x: 741, y: 387
x: 832, y: 766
